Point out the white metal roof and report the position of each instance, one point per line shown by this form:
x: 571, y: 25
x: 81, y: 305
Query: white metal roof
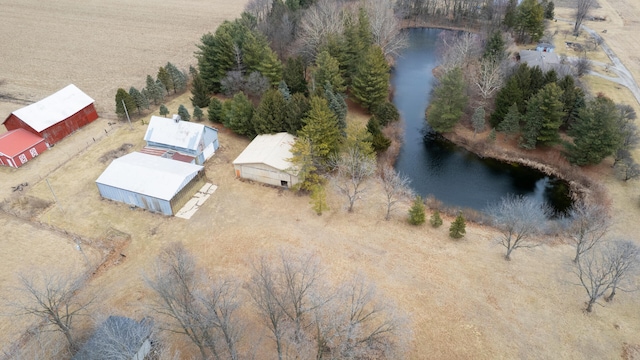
x: 148, y: 175
x: 183, y: 134
x: 271, y: 149
x: 54, y: 108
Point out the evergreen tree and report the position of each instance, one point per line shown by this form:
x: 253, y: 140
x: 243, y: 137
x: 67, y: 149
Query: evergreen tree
x: 477, y: 120
x: 336, y: 46
x: 216, y: 56
x: 319, y: 199
x: 551, y: 108
x: 258, y: 56
x: 237, y: 114
x: 448, y: 102
x: 284, y: 90
x: 530, y: 20
x: 304, y: 160
x: 435, y: 220
x: 510, y: 14
x: 358, y: 40
x: 595, y: 133
x: 139, y: 99
x: 165, y: 79
x: 161, y: 90
x: 321, y: 129
x: 379, y: 142
x: 337, y: 104
x: 495, y: 47
x: 549, y: 10
x: 416, y: 212
x: 147, y: 97
x: 370, y: 85
x: 458, y: 227
x: 154, y: 92
x: 532, y: 123
x: 163, y: 110
x: 550, y: 76
x: 536, y: 82
x: 214, y: 112
x: 184, y: 113
x: 572, y: 100
x: 270, y: 115
x: 197, y: 113
x: 123, y: 96
x: 328, y: 70
x: 178, y: 78
x: 386, y: 113
x: 199, y: 91
x: 294, y: 75
x: 511, y: 123
x: 516, y: 90
x: 297, y: 109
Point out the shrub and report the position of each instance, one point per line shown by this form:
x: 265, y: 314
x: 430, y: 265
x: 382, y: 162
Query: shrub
x: 416, y: 213
x: 386, y: 113
x: 458, y: 227
x: 435, y: 220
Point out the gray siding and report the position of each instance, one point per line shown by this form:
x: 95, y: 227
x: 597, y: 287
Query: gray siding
x: 135, y: 199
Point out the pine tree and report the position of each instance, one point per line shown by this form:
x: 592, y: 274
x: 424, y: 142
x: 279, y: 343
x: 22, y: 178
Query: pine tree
x: 237, y: 114
x: 337, y: 104
x: 477, y: 120
x: 319, y: 199
x: 551, y: 108
x: 178, y: 78
x: 510, y: 14
x: 294, y: 75
x: 161, y: 90
x: 129, y: 102
x: 199, y: 91
x: 270, y: 115
x: 284, y: 90
x: 304, y: 161
x: 297, y: 109
x: 386, y: 113
x: 572, y: 100
x: 370, y: 85
x: 448, y: 102
x: 147, y: 97
x: 257, y: 56
x: 197, y: 113
x: 511, y: 123
x: 507, y: 96
x: 549, y: 11
x: 184, y: 113
x: 358, y: 40
x: 530, y: 20
x: 139, y: 99
x: 214, y: 112
x: 163, y: 110
x: 216, y: 56
x: 595, y: 133
x: 435, y: 220
x: 532, y: 122
x: 321, y: 128
x: 165, y: 79
x: 379, y: 142
x: 416, y: 212
x: 153, y: 91
x: 328, y: 70
x: 458, y: 227
x: 495, y: 47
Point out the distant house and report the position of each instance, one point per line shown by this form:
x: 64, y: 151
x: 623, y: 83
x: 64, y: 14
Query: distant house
x: 55, y: 116
x: 150, y: 182
x: 118, y: 338
x: 545, y: 61
x: 545, y: 47
x: 265, y: 160
x: 180, y: 140
x: 19, y: 146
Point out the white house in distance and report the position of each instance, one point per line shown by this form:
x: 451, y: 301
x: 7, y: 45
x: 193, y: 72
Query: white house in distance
x: 266, y: 160
x: 180, y: 140
x: 151, y: 182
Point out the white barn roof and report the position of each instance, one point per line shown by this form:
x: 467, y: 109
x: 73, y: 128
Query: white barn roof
x: 183, y: 134
x: 271, y: 149
x: 54, y: 108
x: 148, y: 175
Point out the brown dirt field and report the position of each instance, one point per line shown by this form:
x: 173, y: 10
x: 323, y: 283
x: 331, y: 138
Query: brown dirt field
x: 463, y: 300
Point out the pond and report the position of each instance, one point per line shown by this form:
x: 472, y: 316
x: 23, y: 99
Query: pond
x: 437, y: 167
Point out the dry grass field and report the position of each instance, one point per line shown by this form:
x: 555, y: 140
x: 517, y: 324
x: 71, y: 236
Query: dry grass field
x: 463, y: 300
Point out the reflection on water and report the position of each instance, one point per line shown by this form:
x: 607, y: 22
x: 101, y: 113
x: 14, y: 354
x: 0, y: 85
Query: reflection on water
x: 438, y: 167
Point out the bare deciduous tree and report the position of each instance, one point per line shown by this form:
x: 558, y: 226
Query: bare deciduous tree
x: 322, y: 19
x: 457, y: 50
x: 583, y: 66
x: 582, y: 9
x: 396, y: 188
x: 204, y: 311
x: 259, y: 8
x: 353, y: 167
x: 386, y: 27
x: 518, y: 219
x: 624, y: 256
x: 116, y: 338
x: 53, y: 298
x: 488, y: 78
x: 588, y: 224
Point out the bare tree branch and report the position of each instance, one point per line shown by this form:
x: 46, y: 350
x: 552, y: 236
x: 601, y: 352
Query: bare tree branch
x: 396, y: 188
x: 353, y: 167
x: 588, y: 224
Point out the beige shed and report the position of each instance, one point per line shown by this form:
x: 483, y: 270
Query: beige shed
x: 266, y: 160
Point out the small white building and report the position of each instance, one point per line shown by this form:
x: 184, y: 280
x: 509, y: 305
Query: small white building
x: 266, y: 160
x: 150, y: 182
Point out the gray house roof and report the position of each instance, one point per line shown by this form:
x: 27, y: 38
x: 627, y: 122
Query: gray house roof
x: 182, y: 134
x: 116, y: 338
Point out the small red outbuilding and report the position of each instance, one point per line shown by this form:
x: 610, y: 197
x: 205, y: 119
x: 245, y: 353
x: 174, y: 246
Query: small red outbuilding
x: 19, y: 146
x: 55, y: 116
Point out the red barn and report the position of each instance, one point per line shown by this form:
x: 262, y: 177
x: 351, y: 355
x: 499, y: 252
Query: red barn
x: 55, y: 116
x: 19, y: 146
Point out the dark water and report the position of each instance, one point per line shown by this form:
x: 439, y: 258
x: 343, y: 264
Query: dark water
x: 437, y: 167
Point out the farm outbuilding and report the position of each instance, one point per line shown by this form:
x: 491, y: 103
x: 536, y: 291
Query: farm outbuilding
x: 266, y: 160
x: 19, y: 146
x: 118, y: 338
x: 150, y: 182
x: 180, y: 140
x: 56, y: 116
